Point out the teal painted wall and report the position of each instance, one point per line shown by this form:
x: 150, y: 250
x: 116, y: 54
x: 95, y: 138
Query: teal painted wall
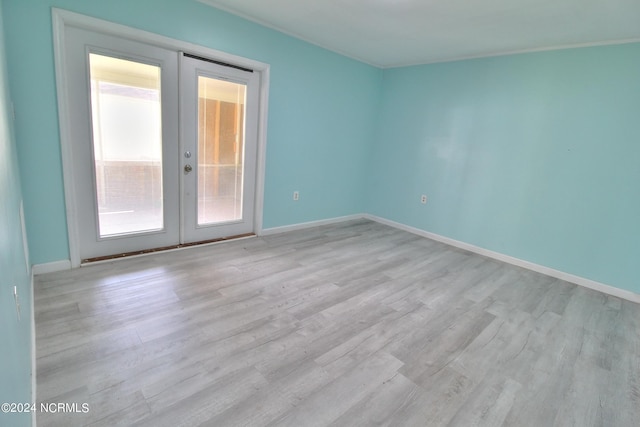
x: 15, y: 335
x: 536, y: 156
x: 533, y: 156
x: 320, y: 110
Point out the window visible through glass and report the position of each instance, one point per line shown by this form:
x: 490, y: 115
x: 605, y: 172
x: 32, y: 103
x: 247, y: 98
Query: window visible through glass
x: 221, y: 112
x: 127, y: 145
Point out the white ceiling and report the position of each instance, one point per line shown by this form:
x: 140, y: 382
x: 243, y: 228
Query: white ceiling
x: 391, y: 33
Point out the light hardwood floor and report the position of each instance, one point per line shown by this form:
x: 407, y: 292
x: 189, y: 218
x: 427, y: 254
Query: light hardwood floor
x: 355, y: 324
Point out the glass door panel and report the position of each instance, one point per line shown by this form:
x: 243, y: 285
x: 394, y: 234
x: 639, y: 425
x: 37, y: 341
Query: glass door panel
x: 221, y: 112
x: 219, y: 107
x: 127, y: 145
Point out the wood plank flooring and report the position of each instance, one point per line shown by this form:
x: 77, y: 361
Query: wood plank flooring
x: 354, y: 324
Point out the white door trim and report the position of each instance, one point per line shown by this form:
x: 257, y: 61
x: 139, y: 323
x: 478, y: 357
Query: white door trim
x: 61, y: 20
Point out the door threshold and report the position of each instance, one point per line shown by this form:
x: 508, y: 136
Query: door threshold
x: 164, y: 248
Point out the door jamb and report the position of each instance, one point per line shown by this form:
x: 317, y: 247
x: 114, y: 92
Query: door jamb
x: 62, y: 19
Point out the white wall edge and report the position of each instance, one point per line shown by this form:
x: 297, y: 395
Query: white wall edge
x: 51, y: 267
x: 516, y: 52
x: 34, y: 394
x: 581, y: 281
x: 310, y: 224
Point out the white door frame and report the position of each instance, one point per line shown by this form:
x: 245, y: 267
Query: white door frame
x: 61, y: 20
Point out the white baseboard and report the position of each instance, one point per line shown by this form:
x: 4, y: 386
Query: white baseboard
x: 310, y: 224
x: 587, y: 283
x: 51, y: 267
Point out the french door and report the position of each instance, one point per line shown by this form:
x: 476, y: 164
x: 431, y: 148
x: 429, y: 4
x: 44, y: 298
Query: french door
x: 163, y: 145
x: 219, y: 134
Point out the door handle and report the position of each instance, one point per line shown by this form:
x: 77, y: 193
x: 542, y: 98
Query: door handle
x: 187, y: 168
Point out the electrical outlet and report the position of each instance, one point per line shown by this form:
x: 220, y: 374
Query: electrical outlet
x: 423, y: 199
x: 15, y: 296
x: 296, y: 195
